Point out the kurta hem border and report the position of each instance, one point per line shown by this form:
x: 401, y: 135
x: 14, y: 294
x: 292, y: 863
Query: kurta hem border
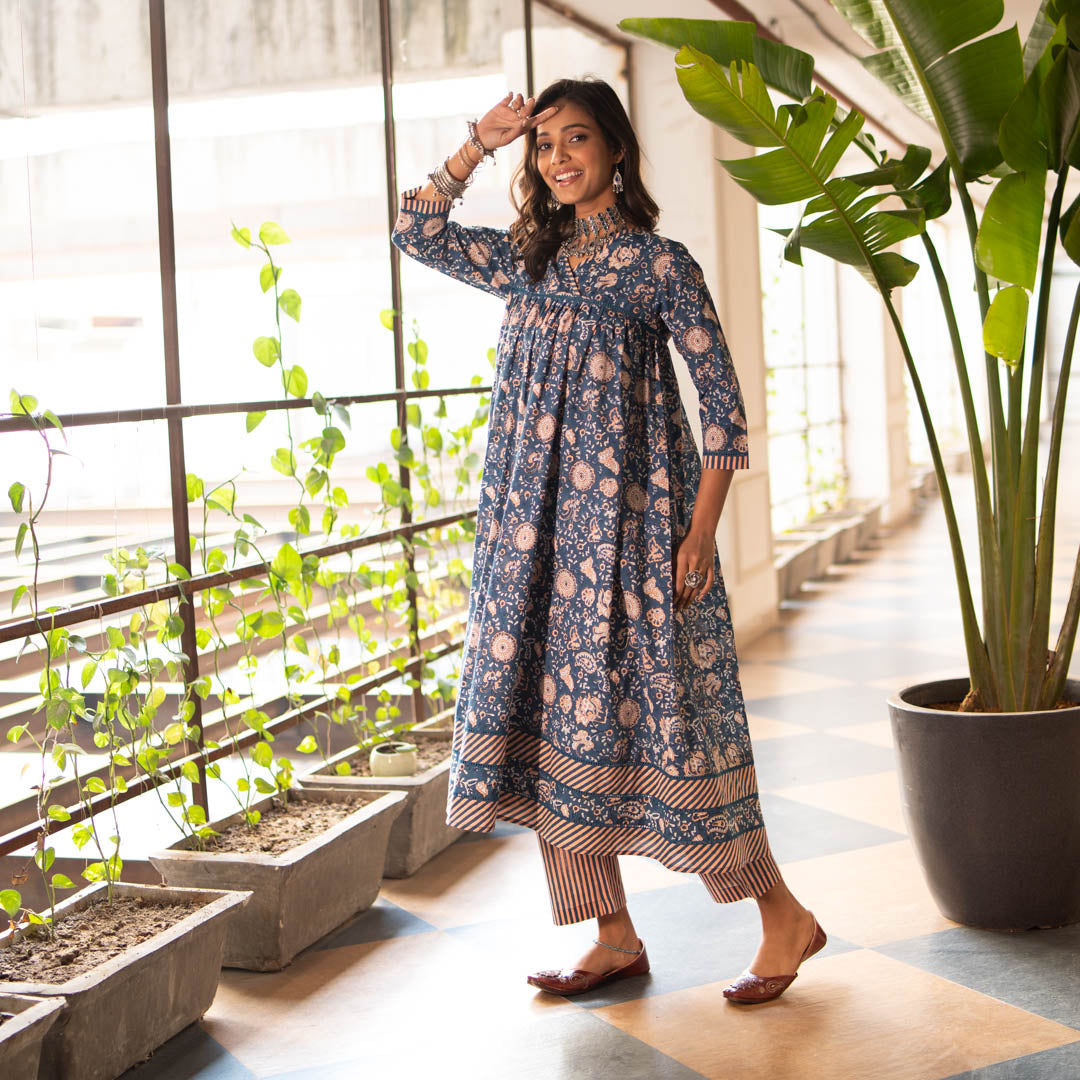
x: 726, y: 856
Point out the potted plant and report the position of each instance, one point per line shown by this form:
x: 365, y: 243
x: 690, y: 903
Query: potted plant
x: 119, y: 999
x: 988, y: 763
x: 24, y: 1022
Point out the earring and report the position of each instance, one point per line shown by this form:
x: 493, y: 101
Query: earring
x: 553, y: 202
x: 616, y: 181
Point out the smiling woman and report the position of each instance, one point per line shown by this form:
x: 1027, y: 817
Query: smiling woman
x: 599, y: 701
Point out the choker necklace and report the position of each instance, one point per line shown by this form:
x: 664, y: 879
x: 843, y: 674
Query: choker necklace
x: 592, y: 232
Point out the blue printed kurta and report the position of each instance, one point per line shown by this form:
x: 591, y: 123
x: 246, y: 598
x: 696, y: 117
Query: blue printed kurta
x: 589, y: 709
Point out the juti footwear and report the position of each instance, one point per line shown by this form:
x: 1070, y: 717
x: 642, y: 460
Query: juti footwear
x: 751, y: 989
x: 579, y: 980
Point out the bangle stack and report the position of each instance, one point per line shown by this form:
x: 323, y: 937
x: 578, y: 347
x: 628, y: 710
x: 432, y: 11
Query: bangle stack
x: 444, y: 181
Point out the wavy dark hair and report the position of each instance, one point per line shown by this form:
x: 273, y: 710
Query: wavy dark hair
x: 539, y: 229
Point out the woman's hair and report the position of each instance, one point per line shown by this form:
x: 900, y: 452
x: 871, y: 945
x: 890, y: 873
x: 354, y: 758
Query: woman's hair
x: 540, y: 229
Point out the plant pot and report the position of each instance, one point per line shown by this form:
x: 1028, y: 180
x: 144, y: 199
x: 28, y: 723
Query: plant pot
x: 21, y: 1036
x: 421, y: 832
x: 393, y: 759
x: 123, y: 1010
x: 301, y: 894
x: 992, y: 803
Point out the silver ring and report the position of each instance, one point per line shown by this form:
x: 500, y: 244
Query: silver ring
x: 693, y: 578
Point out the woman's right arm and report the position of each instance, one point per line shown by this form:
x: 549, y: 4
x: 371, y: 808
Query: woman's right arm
x: 478, y: 255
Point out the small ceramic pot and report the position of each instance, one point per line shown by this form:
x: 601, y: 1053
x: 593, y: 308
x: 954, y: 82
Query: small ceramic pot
x: 393, y: 759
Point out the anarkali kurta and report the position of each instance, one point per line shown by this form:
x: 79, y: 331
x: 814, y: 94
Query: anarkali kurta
x: 589, y: 708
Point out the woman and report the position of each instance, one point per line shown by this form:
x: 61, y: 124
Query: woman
x: 599, y: 701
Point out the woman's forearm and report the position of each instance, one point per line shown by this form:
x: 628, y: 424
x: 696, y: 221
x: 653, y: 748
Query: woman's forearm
x: 457, y: 169
x: 709, y: 502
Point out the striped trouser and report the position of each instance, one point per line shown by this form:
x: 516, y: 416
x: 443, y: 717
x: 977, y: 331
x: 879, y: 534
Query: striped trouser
x: 583, y: 886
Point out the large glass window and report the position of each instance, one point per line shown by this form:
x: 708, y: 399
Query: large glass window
x: 805, y: 405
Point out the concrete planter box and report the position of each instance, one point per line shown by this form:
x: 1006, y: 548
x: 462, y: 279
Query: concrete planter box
x: 21, y: 1036
x: 420, y: 832
x: 116, y: 1015
x: 301, y: 894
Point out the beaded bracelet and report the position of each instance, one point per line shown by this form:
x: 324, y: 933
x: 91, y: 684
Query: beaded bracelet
x: 474, y: 140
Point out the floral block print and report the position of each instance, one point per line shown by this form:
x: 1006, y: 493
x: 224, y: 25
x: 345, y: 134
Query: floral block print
x: 590, y: 709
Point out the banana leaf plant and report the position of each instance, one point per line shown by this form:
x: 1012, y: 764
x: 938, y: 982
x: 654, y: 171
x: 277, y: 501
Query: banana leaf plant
x: 1008, y: 115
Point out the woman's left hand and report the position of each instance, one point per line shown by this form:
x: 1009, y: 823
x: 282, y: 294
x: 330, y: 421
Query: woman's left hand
x: 695, y: 552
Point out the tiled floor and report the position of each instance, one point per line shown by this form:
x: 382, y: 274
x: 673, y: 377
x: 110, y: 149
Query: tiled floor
x: 431, y: 980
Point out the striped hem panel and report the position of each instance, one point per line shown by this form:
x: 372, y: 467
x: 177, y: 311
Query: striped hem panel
x: 725, y: 461
x: 581, y: 886
x: 409, y: 201
x: 682, y: 792
x: 722, y: 856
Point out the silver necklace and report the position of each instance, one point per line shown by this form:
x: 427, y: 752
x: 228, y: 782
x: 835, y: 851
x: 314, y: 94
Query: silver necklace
x: 593, y: 232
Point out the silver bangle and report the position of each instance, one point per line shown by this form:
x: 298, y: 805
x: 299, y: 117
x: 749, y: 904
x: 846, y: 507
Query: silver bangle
x: 474, y: 140
x: 445, y: 183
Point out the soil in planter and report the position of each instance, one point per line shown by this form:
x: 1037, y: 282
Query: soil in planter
x: 954, y: 706
x: 281, y: 828
x: 428, y: 754
x: 87, y: 938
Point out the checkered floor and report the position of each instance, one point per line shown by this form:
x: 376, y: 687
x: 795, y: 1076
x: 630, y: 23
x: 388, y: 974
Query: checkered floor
x: 431, y: 980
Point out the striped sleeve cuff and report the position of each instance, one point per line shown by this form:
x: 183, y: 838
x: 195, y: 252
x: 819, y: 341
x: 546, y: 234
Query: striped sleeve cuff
x: 725, y: 461
x: 409, y: 201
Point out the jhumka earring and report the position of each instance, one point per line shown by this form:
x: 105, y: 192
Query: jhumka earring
x: 616, y: 181
x: 553, y: 202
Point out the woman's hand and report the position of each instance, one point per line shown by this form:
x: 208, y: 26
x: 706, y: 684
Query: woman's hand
x: 695, y: 552
x: 510, y: 118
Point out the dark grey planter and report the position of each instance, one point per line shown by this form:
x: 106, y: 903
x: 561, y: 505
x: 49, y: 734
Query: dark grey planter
x: 992, y: 802
x: 21, y: 1036
x: 420, y: 832
x: 300, y: 895
x: 116, y: 1015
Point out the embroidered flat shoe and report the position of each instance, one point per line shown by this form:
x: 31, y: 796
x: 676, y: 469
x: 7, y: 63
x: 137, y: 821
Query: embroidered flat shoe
x: 751, y: 989
x: 579, y: 981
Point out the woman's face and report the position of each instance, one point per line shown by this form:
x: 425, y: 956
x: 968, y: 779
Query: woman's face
x: 570, y: 145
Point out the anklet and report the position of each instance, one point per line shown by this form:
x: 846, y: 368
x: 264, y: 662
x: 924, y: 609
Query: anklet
x: 633, y: 952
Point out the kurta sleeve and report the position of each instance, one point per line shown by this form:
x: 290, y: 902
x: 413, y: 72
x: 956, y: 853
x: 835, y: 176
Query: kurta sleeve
x: 478, y: 255
x: 688, y: 312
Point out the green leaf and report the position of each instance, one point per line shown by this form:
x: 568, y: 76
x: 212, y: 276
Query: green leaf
x: 1003, y: 330
x: 318, y: 403
x: 270, y: 232
x: 433, y: 439
x: 937, y: 59
x: 784, y: 68
x: 268, y: 275
x: 62, y: 881
x: 307, y: 745
x: 270, y: 625
x: 11, y: 902
x: 58, y: 813
x: 300, y: 520
x: 254, y: 419
x: 194, y: 487
x: 22, y: 404
x: 263, y: 786
x: 287, y: 562
x: 224, y: 498
x: 179, y: 571
x: 386, y: 317
x: 177, y: 798
x: 242, y: 236
x: 17, y: 595
x: 1060, y: 97
x: 1022, y: 134
x: 1007, y: 245
x: 295, y: 380
x: 20, y: 537
x: 284, y: 461
x: 314, y: 481
x: 95, y: 785
x: 263, y: 754
x: 333, y: 441
x: 15, y: 494
x: 88, y: 671
x: 289, y: 301
x: 1070, y: 231
x: 267, y: 350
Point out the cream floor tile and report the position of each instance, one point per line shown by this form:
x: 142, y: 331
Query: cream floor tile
x: 770, y: 680
x: 855, y: 1016
x: 894, y: 683
x: 870, y: 896
x: 455, y: 887
x: 874, y: 798
x: 764, y: 727
x: 325, y: 1006
x: 779, y: 646
x: 878, y: 732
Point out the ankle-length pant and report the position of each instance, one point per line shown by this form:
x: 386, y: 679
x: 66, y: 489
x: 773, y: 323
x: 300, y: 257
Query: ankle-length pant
x: 583, y: 886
